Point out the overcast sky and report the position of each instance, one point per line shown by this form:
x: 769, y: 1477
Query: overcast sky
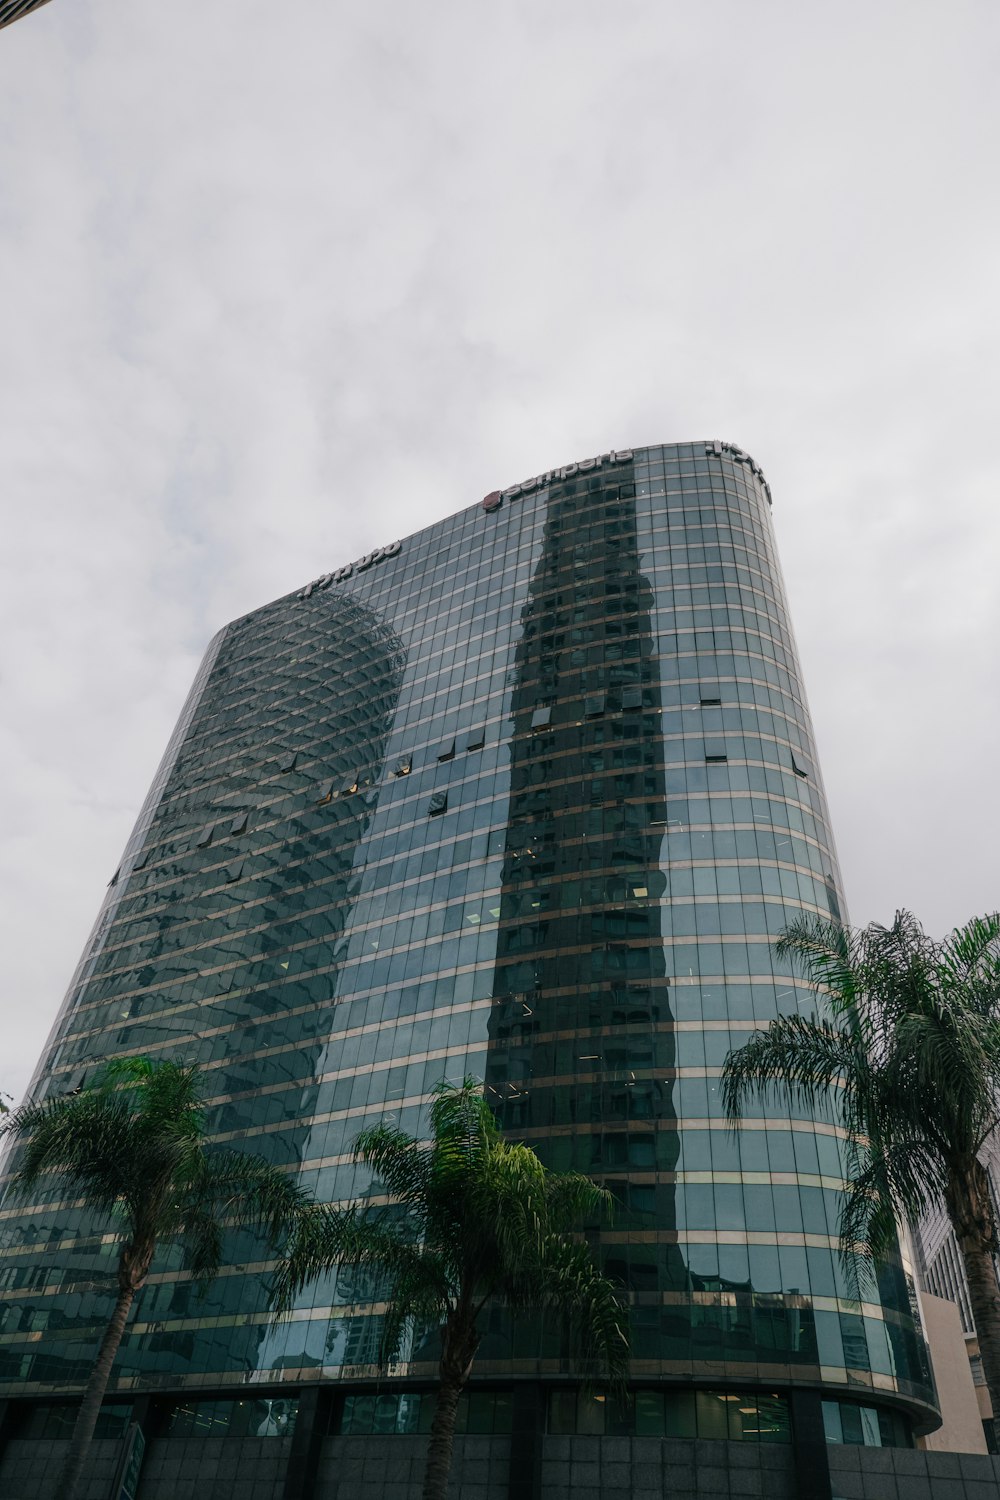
x: 283, y: 282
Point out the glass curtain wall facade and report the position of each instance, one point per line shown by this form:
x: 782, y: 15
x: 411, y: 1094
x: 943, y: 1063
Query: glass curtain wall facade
x: 526, y: 796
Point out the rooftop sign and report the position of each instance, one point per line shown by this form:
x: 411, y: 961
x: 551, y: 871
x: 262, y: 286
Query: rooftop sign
x: 370, y: 558
x: 585, y: 465
x: 491, y: 502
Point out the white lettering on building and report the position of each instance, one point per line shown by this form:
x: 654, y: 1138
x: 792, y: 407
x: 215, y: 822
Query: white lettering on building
x: 622, y: 456
x: 349, y: 569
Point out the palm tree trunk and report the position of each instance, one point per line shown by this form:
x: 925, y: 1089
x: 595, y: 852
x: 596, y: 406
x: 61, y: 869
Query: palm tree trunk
x: 459, y: 1344
x: 970, y: 1208
x: 442, y: 1438
x: 86, y: 1420
x: 985, y: 1298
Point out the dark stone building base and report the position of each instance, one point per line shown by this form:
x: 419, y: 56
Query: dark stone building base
x: 578, y: 1468
x: 908, y: 1474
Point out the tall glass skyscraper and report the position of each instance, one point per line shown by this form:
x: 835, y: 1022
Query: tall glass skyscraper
x: 526, y: 796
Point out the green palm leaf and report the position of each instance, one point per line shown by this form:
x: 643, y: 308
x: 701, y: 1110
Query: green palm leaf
x: 474, y: 1219
x: 908, y: 1058
x: 133, y: 1147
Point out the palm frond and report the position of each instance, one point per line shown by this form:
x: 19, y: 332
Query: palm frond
x: 823, y: 952
x: 888, y: 1189
x: 164, y: 1095
x: 324, y: 1238
x: 402, y: 1163
x: 473, y: 1217
x: 972, y: 953
x: 462, y: 1126
x: 506, y: 1204
x: 894, y: 974
x: 87, y: 1138
x: 127, y: 1070
x: 421, y: 1294
x: 246, y: 1191
x: 915, y: 1048
x: 132, y: 1144
x: 518, y: 1206
x: 796, y: 1055
x: 945, y: 1053
x: 564, y: 1279
x: 203, y: 1237
x: 574, y: 1201
x: 969, y: 961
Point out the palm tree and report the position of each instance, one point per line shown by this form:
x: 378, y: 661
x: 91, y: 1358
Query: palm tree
x: 133, y: 1147
x: 907, y: 1041
x: 472, y: 1219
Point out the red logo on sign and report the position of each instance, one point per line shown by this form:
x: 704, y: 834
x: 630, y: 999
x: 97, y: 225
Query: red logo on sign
x: 493, y: 500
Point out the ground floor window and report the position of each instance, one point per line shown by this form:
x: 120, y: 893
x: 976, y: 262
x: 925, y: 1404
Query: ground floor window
x: 483, y: 1412
x: 233, y: 1418
x: 750, y: 1416
x: 864, y: 1426
x: 56, y: 1421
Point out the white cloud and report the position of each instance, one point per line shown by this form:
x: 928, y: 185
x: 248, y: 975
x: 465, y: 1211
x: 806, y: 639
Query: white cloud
x: 280, y: 285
